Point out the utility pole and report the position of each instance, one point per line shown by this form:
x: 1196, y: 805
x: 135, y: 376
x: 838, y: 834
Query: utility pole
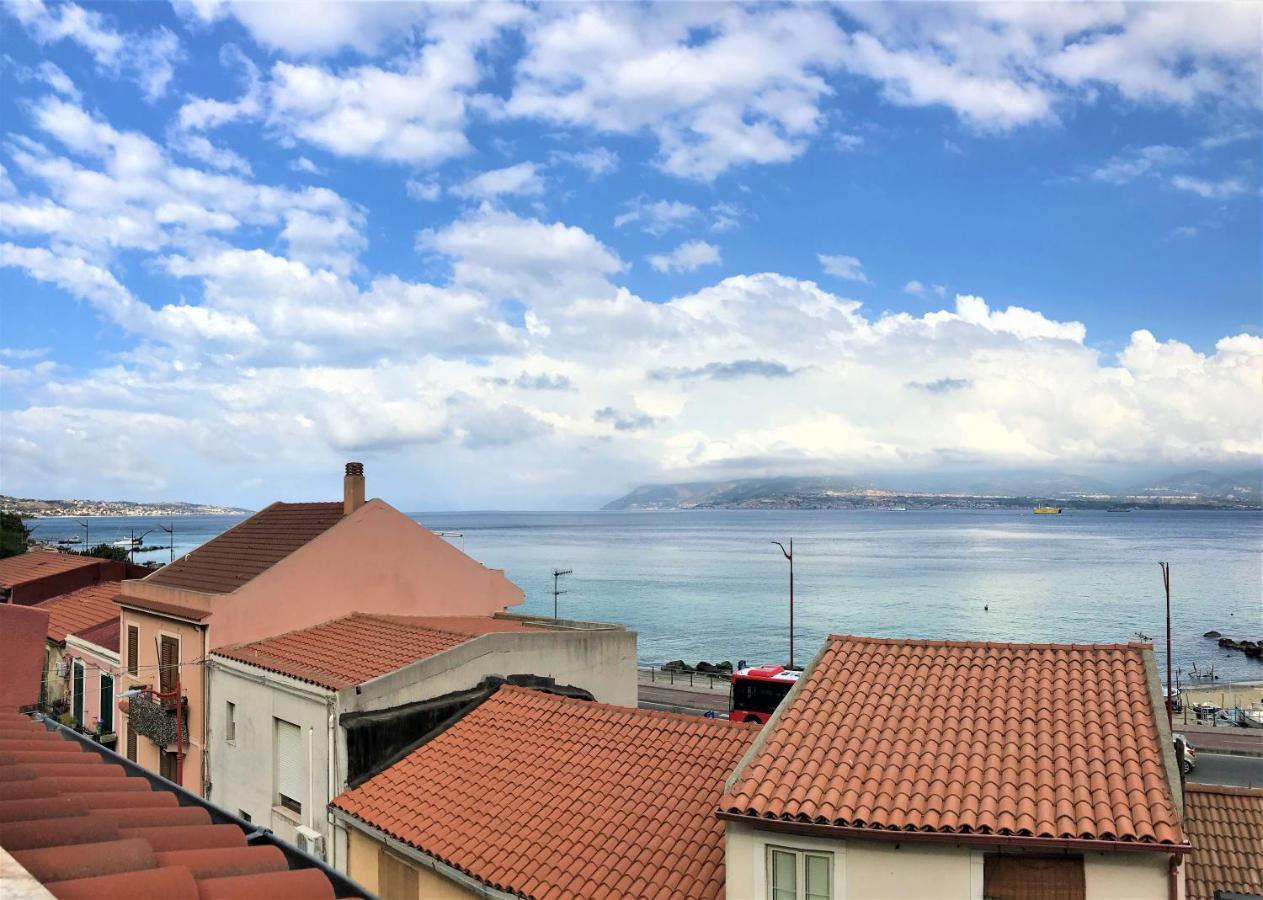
x: 1166, y: 584
x: 557, y: 573
x: 789, y: 554
x: 87, y: 545
x: 171, y: 547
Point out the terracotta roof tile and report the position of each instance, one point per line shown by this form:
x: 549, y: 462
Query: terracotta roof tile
x: 81, y: 609
x: 115, y: 834
x: 105, y: 634
x: 1034, y: 740
x: 1225, y: 827
x: 166, y: 609
x: 249, y: 548
x: 332, y: 655
x: 24, y: 567
x: 551, y: 797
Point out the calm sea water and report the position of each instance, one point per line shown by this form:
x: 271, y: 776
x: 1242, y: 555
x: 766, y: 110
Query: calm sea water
x: 709, y: 585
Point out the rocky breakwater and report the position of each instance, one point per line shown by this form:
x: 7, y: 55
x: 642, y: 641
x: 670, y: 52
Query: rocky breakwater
x: 1250, y: 648
x: 702, y: 668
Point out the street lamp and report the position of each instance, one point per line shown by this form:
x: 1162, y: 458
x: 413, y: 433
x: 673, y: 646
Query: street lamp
x: 171, y: 548
x: 131, y: 552
x: 789, y: 554
x: 87, y: 544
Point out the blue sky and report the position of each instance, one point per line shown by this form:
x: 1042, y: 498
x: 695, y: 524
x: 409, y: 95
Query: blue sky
x: 530, y: 256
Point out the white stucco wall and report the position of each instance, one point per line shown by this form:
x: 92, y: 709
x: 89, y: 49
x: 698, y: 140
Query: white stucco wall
x: 242, y: 772
x: 908, y: 870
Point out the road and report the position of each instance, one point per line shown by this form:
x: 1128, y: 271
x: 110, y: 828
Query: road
x: 676, y: 700
x: 1220, y: 768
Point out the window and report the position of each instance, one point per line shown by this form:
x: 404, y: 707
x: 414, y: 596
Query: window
x: 230, y: 722
x: 396, y: 879
x: 169, y: 663
x: 131, y: 744
x: 76, y: 691
x: 1030, y: 877
x: 291, y: 778
x: 242, y: 814
x: 107, y: 702
x: 133, y: 650
x: 167, y: 765
x: 799, y: 875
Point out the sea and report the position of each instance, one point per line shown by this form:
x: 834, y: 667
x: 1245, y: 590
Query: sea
x: 710, y: 585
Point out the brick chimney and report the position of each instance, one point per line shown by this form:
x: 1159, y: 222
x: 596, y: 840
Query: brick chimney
x: 352, y: 488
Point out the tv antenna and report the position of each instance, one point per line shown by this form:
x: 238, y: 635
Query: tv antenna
x: 557, y: 592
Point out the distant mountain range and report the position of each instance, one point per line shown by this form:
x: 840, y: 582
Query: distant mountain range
x: 28, y: 508
x: 1202, y: 489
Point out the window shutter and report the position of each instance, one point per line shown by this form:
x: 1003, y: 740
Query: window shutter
x: 131, y: 744
x: 133, y: 649
x: 170, y: 663
x: 107, y: 702
x: 291, y: 778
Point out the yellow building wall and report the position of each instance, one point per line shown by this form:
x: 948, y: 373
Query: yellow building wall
x: 362, y: 853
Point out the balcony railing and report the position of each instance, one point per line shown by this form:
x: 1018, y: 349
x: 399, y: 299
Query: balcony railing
x: 156, y: 719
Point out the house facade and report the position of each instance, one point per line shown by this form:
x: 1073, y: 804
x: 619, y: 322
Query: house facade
x: 95, y: 681
x: 961, y: 770
x: 63, y: 685
x: 286, y: 712
x: 291, y: 565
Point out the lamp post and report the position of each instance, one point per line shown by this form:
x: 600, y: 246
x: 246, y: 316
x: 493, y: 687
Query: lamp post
x: 1166, y: 585
x: 171, y: 547
x: 87, y: 545
x: 789, y: 555
x: 131, y: 551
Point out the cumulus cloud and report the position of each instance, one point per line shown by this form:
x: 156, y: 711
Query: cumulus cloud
x: 915, y: 288
x: 847, y: 268
x: 1220, y: 189
x: 1126, y: 167
x: 521, y: 179
x: 657, y: 217
x: 687, y: 257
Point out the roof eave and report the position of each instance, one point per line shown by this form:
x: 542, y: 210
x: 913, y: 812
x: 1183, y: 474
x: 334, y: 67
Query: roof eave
x: 972, y: 838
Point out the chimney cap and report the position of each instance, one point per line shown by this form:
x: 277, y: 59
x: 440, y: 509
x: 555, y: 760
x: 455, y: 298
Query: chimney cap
x: 355, y: 468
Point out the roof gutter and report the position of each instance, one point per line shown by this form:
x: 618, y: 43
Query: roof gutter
x: 468, y: 882
x: 847, y: 832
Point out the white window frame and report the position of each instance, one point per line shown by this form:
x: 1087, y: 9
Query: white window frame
x: 301, y: 761
x: 230, y: 723
x: 798, y: 844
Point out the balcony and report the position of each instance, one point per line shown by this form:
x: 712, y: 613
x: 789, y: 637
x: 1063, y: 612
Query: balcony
x: 155, y: 719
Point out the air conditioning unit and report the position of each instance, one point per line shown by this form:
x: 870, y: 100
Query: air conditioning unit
x: 310, y: 841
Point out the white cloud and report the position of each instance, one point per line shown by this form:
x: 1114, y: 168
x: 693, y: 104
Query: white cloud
x: 521, y: 179
x: 200, y: 148
x: 688, y: 257
x: 716, y: 86
x: 915, y: 288
x: 845, y: 267
x: 426, y: 189
x: 657, y: 217
x: 147, y: 58
x: 58, y: 80
x: 314, y: 26
x: 1123, y: 168
x: 306, y: 166
x: 1211, y: 190
x: 596, y: 162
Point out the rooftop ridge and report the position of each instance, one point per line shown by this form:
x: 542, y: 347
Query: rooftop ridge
x: 385, y: 619
x: 986, y: 645
x: 1230, y: 790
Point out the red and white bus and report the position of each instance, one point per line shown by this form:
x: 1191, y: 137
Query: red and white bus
x: 757, y: 691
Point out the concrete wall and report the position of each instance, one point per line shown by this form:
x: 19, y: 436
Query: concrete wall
x: 242, y: 771
x: 601, y: 661
x: 23, y: 636
x: 912, y: 870
x: 376, y: 560
x: 192, y: 649
x: 362, y: 868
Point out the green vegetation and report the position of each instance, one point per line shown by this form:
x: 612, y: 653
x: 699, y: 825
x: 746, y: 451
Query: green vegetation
x: 13, y: 535
x: 105, y: 551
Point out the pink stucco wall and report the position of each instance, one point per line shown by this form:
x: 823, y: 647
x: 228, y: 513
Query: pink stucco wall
x: 94, y: 665
x: 23, y: 631
x: 375, y: 560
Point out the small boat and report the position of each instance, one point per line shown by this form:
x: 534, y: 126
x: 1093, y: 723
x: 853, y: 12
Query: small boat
x: 65, y: 542
x: 1048, y: 510
x: 127, y: 542
x: 1117, y: 509
x: 1205, y: 711
x: 1251, y: 718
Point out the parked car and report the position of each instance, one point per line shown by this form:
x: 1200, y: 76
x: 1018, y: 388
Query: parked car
x: 1184, y: 750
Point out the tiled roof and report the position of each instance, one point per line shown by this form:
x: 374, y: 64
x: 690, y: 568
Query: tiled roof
x: 24, y: 567
x: 1225, y: 827
x: 336, y: 654
x: 249, y: 548
x: 551, y: 797
x: 163, y: 609
x: 81, y: 609
x: 1031, y: 740
x: 105, y: 634
x: 87, y: 828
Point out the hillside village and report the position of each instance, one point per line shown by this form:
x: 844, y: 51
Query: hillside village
x: 258, y: 717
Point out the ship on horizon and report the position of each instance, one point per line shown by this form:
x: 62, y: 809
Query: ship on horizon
x: 1048, y: 510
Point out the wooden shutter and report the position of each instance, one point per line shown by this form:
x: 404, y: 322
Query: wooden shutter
x: 107, y: 702
x: 169, y: 662
x: 291, y: 768
x: 133, y: 650
x: 1022, y: 877
x: 166, y: 765
x: 131, y: 744
x: 76, y: 689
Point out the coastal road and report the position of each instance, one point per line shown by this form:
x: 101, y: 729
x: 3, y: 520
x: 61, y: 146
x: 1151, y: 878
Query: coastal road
x: 1221, y: 768
x: 675, y: 700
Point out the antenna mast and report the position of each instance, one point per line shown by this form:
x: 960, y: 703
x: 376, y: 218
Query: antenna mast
x: 557, y: 592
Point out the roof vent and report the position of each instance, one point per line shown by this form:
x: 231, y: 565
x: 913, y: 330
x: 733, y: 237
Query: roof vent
x: 352, y: 488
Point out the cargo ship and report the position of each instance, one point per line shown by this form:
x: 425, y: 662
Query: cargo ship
x: 1048, y: 510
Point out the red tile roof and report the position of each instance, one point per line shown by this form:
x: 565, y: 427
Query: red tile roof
x: 1031, y: 740
x: 24, y: 567
x: 334, y: 654
x: 1225, y: 827
x: 551, y: 797
x: 164, y: 609
x: 249, y: 548
x: 85, y: 827
x: 81, y: 609
x: 105, y: 635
